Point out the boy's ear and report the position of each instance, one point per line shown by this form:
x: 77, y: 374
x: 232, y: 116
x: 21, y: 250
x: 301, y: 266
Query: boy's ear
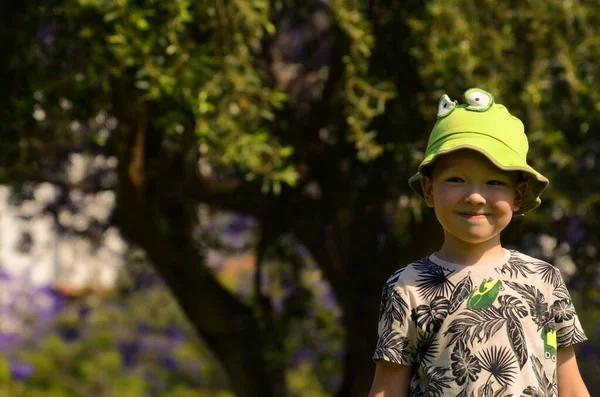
x: 520, y: 190
x: 427, y: 187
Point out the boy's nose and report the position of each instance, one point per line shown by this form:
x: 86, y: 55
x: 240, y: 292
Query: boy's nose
x: 475, y: 198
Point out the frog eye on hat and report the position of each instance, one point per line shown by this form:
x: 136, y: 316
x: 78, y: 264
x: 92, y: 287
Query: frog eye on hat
x: 445, y: 106
x: 478, y: 100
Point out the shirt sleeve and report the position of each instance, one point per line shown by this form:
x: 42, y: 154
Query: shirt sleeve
x: 568, y: 327
x: 396, y: 332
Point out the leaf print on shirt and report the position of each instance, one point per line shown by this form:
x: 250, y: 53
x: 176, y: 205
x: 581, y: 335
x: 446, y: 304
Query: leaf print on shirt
x: 394, y: 307
x: 533, y: 392
x: 513, y: 310
x: 570, y: 335
x: 433, y: 380
x: 392, y: 347
x: 487, y: 390
x: 416, y: 392
x: 540, y: 374
x: 473, y: 325
x: 563, y: 310
x: 538, y: 308
x: 461, y: 293
x: 387, y: 290
x: 515, y: 266
x: 385, y: 296
x: 426, y: 348
x: 516, y: 336
x: 433, y: 280
x: 500, y: 363
x: 548, y: 273
x: 561, y: 292
x: 513, y: 307
x: 544, y: 388
x: 465, y: 366
x: 430, y: 318
x: 463, y: 393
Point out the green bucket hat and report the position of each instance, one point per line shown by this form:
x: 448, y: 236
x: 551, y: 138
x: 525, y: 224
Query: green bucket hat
x: 488, y: 128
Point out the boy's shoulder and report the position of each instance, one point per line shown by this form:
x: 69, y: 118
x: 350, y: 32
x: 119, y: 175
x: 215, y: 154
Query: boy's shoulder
x: 519, y: 259
x: 410, y: 270
x: 527, y: 269
x: 519, y: 256
x: 518, y: 264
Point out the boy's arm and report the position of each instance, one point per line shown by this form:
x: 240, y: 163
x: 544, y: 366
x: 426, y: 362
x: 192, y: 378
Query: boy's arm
x: 391, y: 380
x: 569, y: 379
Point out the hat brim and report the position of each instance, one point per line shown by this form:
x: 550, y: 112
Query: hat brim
x: 497, y: 152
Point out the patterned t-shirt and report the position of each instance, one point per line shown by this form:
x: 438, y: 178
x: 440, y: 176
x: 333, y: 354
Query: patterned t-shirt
x: 473, y: 331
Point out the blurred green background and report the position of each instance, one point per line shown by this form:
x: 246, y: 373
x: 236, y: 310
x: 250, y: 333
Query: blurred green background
x: 205, y: 198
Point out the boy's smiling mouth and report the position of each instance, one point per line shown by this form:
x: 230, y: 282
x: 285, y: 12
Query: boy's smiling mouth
x: 473, y: 215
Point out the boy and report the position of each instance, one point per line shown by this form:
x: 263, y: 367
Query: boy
x: 475, y: 319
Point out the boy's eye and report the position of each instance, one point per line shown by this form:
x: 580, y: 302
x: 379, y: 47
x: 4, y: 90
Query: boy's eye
x: 454, y: 179
x: 496, y: 183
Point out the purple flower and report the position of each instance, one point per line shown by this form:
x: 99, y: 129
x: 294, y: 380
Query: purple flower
x: 69, y: 332
x: 4, y: 275
x: 322, y: 347
x: 169, y: 363
x: 147, y: 280
x: 49, y: 296
x: 236, y: 241
x: 129, y: 352
x: 301, y: 355
x: 8, y: 340
x: 156, y: 382
x: 143, y: 328
x: 193, y: 366
x: 277, y: 304
x: 48, y: 303
x: 84, y: 311
x: 21, y: 371
x: 575, y: 230
x: 586, y: 350
x: 301, y: 251
x: 328, y: 299
x: 175, y: 334
x: 155, y: 343
x: 241, y: 224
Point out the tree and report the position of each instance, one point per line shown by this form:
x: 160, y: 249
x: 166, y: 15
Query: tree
x: 270, y: 109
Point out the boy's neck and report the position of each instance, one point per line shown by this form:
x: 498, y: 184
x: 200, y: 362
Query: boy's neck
x: 468, y: 254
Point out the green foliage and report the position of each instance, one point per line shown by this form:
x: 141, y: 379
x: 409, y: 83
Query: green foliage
x: 536, y: 57
x: 85, y: 350
x: 4, y: 370
x: 302, y: 382
x: 93, y: 361
x: 364, y: 100
x: 201, y: 74
x: 200, y: 56
x: 304, y: 310
x: 587, y: 352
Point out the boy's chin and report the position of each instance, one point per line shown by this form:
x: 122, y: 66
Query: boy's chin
x: 476, y: 238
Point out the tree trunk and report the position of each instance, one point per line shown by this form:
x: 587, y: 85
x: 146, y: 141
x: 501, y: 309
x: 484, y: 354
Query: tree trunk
x: 357, y: 255
x: 163, y: 227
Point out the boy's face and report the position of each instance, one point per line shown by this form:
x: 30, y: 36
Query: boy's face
x: 473, y: 199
